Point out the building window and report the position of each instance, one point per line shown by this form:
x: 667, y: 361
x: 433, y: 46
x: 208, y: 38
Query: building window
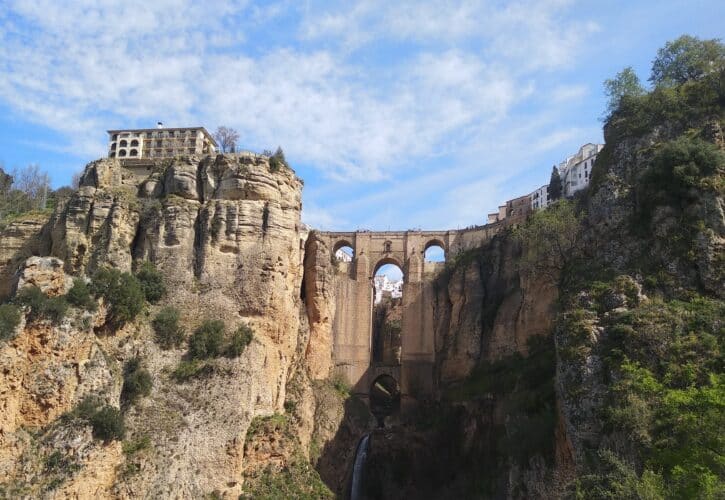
x: 122, y: 152
x: 134, y: 143
x: 111, y: 154
x: 123, y: 143
x: 133, y: 152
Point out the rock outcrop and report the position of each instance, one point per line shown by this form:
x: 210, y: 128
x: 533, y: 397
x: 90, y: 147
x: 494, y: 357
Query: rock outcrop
x: 224, y: 232
x: 486, y: 309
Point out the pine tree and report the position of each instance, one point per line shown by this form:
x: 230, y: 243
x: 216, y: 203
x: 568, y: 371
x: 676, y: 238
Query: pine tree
x: 555, y: 184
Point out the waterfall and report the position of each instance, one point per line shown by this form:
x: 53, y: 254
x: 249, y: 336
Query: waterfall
x: 361, y: 455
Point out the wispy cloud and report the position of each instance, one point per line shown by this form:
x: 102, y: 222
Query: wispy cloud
x: 450, y: 85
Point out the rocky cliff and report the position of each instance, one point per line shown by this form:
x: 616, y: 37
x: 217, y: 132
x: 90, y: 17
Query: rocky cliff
x: 223, y: 231
x: 578, y: 354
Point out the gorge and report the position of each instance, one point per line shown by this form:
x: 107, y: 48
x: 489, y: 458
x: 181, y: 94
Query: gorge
x: 572, y: 353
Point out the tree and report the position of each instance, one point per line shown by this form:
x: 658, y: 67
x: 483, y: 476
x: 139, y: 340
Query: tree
x: 34, y: 183
x: 687, y: 58
x: 227, y: 138
x: 277, y: 160
x: 551, y: 239
x: 25, y: 190
x: 625, y: 84
x: 6, y: 180
x: 555, y: 184
x: 75, y: 180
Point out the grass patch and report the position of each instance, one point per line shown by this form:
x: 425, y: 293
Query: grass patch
x: 10, y: 316
x: 41, y: 306
x: 190, y: 369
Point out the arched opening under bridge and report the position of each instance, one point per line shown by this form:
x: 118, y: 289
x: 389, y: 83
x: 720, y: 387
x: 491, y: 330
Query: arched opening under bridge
x: 434, y: 251
x: 343, y: 251
x: 387, y: 313
x: 384, y: 397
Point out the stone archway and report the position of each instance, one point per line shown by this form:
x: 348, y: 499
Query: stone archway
x: 384, y: 397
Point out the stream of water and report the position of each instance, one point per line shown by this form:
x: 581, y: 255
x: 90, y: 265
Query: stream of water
x: 361, y: 455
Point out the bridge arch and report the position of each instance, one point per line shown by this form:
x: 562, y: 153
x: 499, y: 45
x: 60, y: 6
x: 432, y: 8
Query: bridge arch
x: 384, y: 397
x: 343, y: 244
x: 433, y: 249
x: 389, y: 260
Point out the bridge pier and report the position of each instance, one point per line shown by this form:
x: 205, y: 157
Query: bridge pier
x: 353, y: 310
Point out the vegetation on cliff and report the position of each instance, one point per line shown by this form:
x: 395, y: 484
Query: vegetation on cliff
x: 640, y: 337
x: 636, y: 361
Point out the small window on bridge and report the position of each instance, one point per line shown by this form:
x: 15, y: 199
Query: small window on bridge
x: 435, y: 253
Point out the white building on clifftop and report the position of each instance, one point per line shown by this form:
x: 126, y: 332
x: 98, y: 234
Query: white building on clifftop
x: 160, y: 142
x: 576, y: 171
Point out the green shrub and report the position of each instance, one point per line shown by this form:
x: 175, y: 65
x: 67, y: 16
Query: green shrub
x: 9, y: 320
x: 123, y: 293
x: 166, y: 326
x: 86, y: 408
x: 277, y: 161
x: 80, y: 295
x: 341, y: 386
x: 133, y: 446
x: 108, y: 424
x: 186, y: 370
x: 136, y: 381
x: 207, y: 341
x: 297, y: 480
x: 106, y: 420
x: 56, y: 463
x: 41, y: 306
x: 152, y: 282
x: 239, y: 340
x: 676, y: 172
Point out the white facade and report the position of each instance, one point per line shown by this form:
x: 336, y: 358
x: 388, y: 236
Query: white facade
x: 576, y: 171
x: 383, y: 284
x: 343, y: 256
x: 540, y: 198
x: 159, y: 143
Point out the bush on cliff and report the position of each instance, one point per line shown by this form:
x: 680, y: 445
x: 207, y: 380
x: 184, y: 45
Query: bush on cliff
x: 9, y: 320
x: 41, y: 306
x: 136, y: 381
x: 277, y: 161
x: 80, y: 295
x: 677, y: 175
x: 169, y: 333
x: 107, y: 421
x: 193, y: 368
x: 207, y: 341
x: 108, y: 424
x: 121, y: 291
x: 550, y: 239
x: 152, y: 282
x: 239, y: 341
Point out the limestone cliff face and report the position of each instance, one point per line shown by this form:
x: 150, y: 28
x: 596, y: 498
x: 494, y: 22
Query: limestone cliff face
x: 486, y: 309
x: 224, y: 231
x: 320, y: 303
x: 18, y: 241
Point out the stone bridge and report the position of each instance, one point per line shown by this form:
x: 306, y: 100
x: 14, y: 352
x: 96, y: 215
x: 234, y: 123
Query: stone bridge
x: 354, y: 296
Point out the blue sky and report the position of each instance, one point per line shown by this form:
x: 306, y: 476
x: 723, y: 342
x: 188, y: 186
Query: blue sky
x: 397, y: 115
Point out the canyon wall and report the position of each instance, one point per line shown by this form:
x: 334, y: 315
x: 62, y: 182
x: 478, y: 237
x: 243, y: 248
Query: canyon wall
x: 224, y: 232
